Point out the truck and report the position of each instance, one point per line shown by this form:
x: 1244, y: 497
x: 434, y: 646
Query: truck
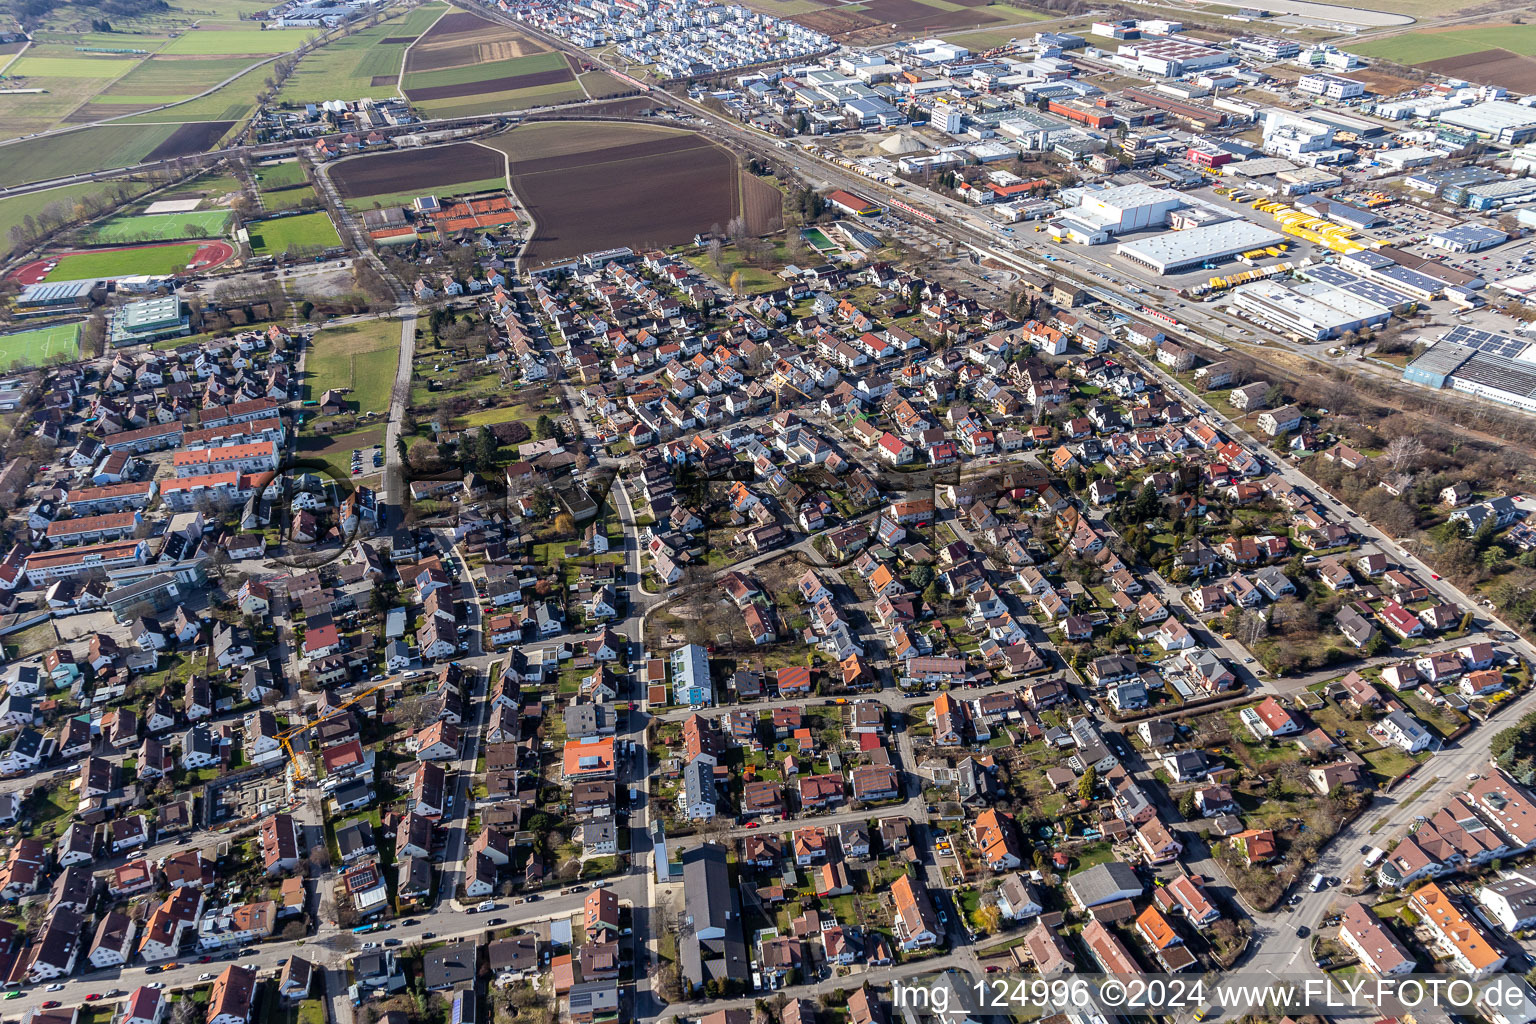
x: 1373, y: 856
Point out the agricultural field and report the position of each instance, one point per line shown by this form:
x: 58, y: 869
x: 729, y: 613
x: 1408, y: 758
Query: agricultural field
x: 462, y: 167
x: 876, y: 20
x: 251, y: 41
x: 70, y: 80
x: 1438, y: 44
x: 61, y: 16
x: 92, y: 149
x: 153, y: 259
x: 159, y: 227
x: 37, y: 346
x: 534, y: 80
x: 467, y: 65
x: 592, y: 185
x: 364, y: 64
x: 362, y: 357
x: 227, y: 106
x: 164, y: 79
x: 462, y: 39
x: 303, y: 232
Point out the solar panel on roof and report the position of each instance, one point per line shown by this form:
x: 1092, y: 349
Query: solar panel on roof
x: 1504, y: 346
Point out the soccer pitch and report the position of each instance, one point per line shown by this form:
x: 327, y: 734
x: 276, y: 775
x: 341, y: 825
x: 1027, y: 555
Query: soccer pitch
x: 34, y: 347
x: 162, y: 227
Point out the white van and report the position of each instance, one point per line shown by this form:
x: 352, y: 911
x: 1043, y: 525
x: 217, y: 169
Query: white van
x: 1318, y: 882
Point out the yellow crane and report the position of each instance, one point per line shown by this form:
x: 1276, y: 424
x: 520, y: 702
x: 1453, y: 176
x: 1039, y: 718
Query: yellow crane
x: 286, y: 736
x: 778, y: 394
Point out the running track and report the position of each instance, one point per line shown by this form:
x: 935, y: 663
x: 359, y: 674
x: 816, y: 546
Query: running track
x: 210, y: 255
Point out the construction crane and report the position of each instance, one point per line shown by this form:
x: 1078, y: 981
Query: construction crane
x: 286, y: 736
x: 778, y: 394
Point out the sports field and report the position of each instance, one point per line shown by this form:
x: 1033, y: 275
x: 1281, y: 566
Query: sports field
x: 157, y: 259
x: 306, y: 231
x: 163, y: 227
x: 362, y: 357
x: 14, y: 210
x: 35, y: 347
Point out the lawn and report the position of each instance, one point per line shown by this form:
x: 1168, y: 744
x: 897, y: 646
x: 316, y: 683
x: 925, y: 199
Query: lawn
x: 271, y: 177
x: 157, y: 259
x: 34, y: 347
x: 255, y: 41
x: 1422, y: 47
x: 362, y: 357
x: 306, y: 231
x: 162, y: 227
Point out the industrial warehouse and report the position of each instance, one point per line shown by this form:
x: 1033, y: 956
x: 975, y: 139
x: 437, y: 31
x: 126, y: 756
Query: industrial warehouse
x: 1197, y: 247
x: 1498, y: 367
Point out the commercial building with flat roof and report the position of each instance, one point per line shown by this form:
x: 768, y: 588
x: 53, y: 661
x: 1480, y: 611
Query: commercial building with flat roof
x: 1185, y: 250
x: 149, y: 320
x: 56, y: 293
x: 1500, y: 120
x: 1468, y: 238
x: 1314, y: 310
x: 1334, y: 87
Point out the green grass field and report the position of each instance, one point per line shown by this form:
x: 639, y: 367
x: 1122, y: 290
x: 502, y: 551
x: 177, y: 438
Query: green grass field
x: 255, y: 41
x: 286, y: 198
x: 486, y: 72
x: 177, y: 77
x: 35, y: 347
x: 404, y: 198
x: 162, y: 227
x: 272, y: 177
x: 362, y: 357
x: 83, y: 66
x: 160, y: 259
x: 275, y: 237
x: 348, y: 66
x: 233, y: 102
x: 91, y: 149
x: 1422, y: 47
x: 16, y: 209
